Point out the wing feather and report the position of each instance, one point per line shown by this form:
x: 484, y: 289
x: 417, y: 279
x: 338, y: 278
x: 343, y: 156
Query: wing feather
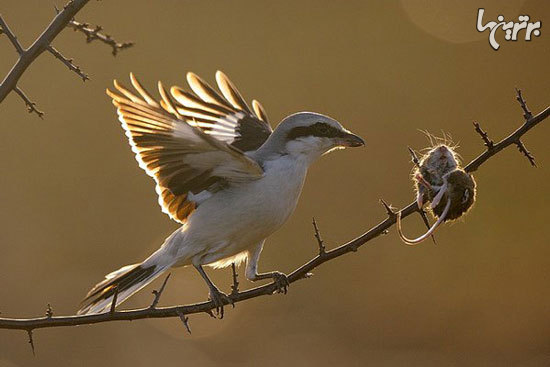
x: 178, y: 153
x: 230, y: 92
x: 226, y: 117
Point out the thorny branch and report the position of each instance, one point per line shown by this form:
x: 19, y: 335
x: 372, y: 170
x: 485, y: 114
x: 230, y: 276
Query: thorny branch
x: 182, y: 311
x: 94, y: 33
x: 64, y: 18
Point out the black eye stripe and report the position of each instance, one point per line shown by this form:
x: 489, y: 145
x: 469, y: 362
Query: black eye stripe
x: 319, y: 129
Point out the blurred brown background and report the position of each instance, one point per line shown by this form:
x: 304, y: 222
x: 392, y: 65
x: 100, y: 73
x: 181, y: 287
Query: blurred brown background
x: 75, y: 205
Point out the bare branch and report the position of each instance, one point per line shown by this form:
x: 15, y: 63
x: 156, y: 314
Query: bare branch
x: 94, y: 33
x: 31, y: 106
x: 68, y: 63
x: 7, y: 31
x: 28, y: 56
x: 300, y: 273
x: 159, y: 292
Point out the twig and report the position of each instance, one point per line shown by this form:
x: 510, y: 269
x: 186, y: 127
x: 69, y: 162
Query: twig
x: 159, y: 292
x: 49, y: 311
x: 235, y: 285
x: 31, y: 106
x: 28, y: 56
x: 7, y: 31
x: 113, y: 303
x: 526, y: 153
x: 320, y: 241
x: 68, y: 63
x: 526, y: 113
x: 488, y: 142
x: 94, y: 33
x: 185, y: 321
x: 268, y: 289
x: 31, y: 341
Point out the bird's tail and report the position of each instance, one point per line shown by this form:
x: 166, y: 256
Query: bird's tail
x: 123, y: 282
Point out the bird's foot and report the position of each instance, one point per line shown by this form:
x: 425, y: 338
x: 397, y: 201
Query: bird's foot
x: 281, y: 281
x: 219, y: 299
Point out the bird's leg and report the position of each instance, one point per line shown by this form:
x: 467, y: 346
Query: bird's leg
x: 216, y: 296
x: 280, y: 279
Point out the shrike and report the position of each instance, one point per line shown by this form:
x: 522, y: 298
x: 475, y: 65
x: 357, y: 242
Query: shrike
x: 220, y: 171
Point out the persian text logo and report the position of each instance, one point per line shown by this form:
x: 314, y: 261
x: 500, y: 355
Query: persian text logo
x: 512, y: 29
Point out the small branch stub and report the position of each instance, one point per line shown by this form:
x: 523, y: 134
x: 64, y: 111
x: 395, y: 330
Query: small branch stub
x: 389, y: 210
x: 49, y: 311
x: 526, y: 153
x: 94, y: 33
x: 31, y: 341
x: 526, y: 113
x: 31, y: 106
x: 320, y: 242
x: 185, y: 321
x: 488, y: 142
x: 113, y: 304
x: 235, y: 285
x: 159, y: 292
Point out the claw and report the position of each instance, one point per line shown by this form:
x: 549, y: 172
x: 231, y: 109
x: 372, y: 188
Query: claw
x: 281, y: 281
x: 415, y: 241
x: 219, y: 298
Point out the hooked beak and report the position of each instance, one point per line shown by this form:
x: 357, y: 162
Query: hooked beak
x: 352, y: 140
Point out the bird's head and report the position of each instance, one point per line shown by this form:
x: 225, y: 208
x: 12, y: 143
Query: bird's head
x: 311, y: 135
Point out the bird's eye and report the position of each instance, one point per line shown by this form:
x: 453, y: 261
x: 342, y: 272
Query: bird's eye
x: 323, y: 129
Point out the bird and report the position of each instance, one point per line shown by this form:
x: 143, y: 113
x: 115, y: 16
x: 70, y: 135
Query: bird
x: 221, y: 171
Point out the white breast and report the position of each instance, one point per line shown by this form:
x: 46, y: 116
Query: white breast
x: 241, y: 216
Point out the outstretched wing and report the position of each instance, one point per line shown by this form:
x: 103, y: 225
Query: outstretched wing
x: 232, y: 119
x: 187, y: 163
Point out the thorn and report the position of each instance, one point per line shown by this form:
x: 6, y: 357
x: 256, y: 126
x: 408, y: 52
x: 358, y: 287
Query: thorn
x: 235, y: 286
x: 31, y: 341
x: 484, y: 136
x: 414, y: 157
x: 317, y: 234
x: 159, y: 292
x: 526, y: 153
x: 389, y: 210
x: 426, y: 222
x: 526, y: 113
x: 113, y: 303
x: 211, y: 313
x: 185, y: 321
x: 49, y: 311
